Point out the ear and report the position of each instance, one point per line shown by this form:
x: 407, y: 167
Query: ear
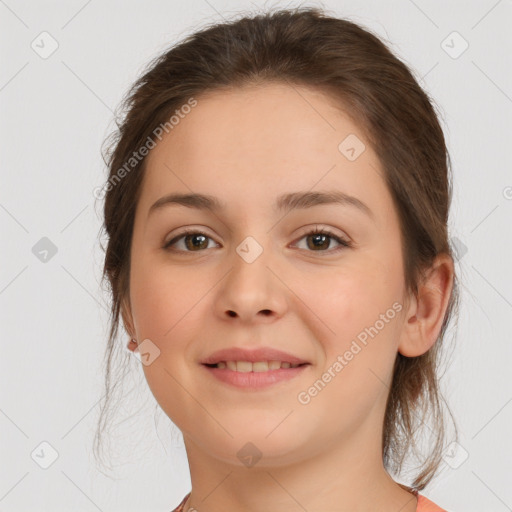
x: 426, y: 311
x: 126, y: 314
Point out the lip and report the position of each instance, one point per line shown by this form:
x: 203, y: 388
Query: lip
x: 254, y: 380
x: 254, y: 355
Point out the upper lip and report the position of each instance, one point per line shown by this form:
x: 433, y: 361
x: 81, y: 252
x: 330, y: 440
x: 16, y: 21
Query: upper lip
x: 253, y: 355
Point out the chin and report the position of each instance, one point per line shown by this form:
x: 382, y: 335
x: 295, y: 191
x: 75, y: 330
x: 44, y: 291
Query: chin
x: 257, y: 445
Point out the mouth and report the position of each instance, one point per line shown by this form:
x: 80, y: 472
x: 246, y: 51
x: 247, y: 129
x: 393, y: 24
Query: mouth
x: 257, y: 366
x: 254, y: 376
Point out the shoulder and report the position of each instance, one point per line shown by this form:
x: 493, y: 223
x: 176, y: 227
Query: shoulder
x: 180, y: 507
x: 425, y: 505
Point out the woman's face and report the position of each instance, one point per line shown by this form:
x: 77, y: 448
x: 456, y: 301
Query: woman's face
x: 253, y: 278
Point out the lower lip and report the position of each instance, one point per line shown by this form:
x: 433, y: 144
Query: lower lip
x: 254, y: 380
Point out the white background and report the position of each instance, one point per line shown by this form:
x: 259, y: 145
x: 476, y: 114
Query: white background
x: 55, y: 113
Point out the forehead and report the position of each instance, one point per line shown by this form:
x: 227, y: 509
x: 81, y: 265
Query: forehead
x: 251, y: 120
x: 262, y: 141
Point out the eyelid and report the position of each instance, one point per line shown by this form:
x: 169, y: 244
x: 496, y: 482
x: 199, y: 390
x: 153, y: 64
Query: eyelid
x: 318, y: 228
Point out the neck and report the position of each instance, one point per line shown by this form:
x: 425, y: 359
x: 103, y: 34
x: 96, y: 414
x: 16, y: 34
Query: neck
x: 342, y: 477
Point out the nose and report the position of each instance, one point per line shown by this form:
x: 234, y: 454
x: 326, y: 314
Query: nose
x: 251, y: 289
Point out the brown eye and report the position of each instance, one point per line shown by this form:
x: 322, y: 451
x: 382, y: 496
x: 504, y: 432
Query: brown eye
x: 193, y: 241
x: 319, y: 240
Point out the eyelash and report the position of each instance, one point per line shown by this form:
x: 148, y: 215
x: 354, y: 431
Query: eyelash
x: 344, y: 244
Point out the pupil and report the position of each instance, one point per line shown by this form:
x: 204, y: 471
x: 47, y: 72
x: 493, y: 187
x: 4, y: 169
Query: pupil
x: 317, y: 238
x: 194, y: 237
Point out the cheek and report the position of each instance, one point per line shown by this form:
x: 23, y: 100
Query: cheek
x: 361, y: 305
x: 169, y: 308
x: 164, y: 309
x: 160, y: 297
x: 353, y: 297
x: 357, y: 356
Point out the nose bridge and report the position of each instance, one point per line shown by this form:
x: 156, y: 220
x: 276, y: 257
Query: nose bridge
x: 252, y: 248
x: 253, y: 237
x: 251, y: 259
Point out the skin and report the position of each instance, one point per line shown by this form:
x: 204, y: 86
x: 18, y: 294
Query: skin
x: 325, y: 455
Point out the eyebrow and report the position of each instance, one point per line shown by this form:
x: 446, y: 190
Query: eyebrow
x: 285, y: 202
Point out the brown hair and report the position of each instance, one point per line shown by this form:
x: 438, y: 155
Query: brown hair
x: 305, y: 46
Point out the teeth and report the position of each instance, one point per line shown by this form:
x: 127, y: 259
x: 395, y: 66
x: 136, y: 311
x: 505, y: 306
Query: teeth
x: 243, y: 366
x: 274, y: 365
x: 259, y: 366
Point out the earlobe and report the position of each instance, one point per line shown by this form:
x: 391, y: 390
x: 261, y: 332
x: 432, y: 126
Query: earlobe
x: 132, y: 345
x: 427, y: 311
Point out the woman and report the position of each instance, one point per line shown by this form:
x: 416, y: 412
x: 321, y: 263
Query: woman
x: 276, y: 213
